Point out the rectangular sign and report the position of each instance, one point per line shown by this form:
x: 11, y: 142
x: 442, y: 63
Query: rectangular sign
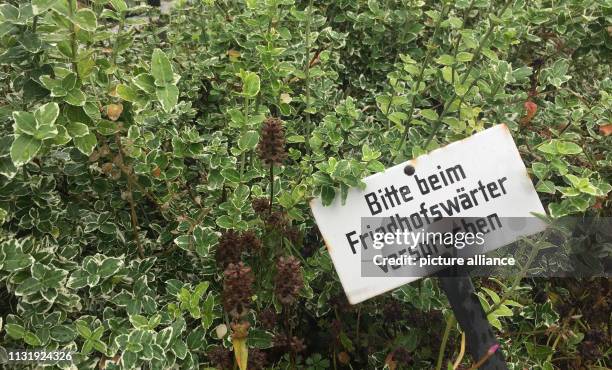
x: 390, y: 233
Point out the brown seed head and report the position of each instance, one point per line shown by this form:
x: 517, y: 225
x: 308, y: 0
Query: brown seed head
x: 237, y: 289
x: 272, y: 143
x: 288, y: 280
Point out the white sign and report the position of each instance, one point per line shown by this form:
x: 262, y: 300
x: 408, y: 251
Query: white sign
x: 478, y: 184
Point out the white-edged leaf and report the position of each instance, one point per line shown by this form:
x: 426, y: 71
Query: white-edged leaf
x: 167, y: 96
x: 86, y: 143
x: 24, y: 148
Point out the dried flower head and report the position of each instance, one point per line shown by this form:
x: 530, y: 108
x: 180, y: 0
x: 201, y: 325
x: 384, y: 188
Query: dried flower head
x: 268, y: 318
x: 257, y: 359
x: 113, y: 111
x: 237, y: 289
x: 250, y: 241
x: 277, y: 220
x: 288, y: 280
x: 240, y: 330
x: 402, y: 356
x: 221, y: 358
x: 589, y: 351
x: 261, y: 205
x: 272, y: 144
x: 293, y: 344
x: 392, y: 311
x: 229, y: 249
x: 293, y: 234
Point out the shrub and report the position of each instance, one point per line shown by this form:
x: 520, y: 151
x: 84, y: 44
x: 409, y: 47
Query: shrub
x: 142, y: 155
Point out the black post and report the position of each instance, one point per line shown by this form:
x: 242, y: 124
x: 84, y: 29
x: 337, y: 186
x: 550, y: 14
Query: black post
x: 471, y: 317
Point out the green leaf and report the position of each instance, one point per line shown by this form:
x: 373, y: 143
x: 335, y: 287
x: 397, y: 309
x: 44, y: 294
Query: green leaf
x: 145, y: 82
x: 75, y: 97
x: 62, y: 136
x: 397, y: 117
x: 15, y: 331
x: 92, y: 111
x: 86, y: 143
x: 225, y: 222
x: 464, y: 56
x: 183, y: 241
x: 25, y: 123
x: 204, y: 239
x: 83, y: 329
x: 250, y: 84
x: 566, y: 147
x: 445, y: 59
x: 167, y: 96
x: 231, y: 174
x: 540, y: 170
x: 179, y: 349
x: 248, y: 140
x: 558, y: 210
x: 429, y: 114
x: 31, y: 339
x: 109, y: 267
x: 260, y: 338
x: 119, y: 5
x: 368, y: 154
x: 560, y: 147
x: 49, y: 276
x: 546, y: 187
x: 161, y: 68
x: 9, y: 12
x: 86, y: 19
x: 28, y: 286
x: 77, y: 129
x: 12, y: 258
x: 139, y: 321
x: 46, y: 132
x: 327, y: 195
x: 24, y: 148
x: 125, y: 92
x: 40, y: 6
x: 164, y: 337
x: 3, y: 216
x: 46, y: 114
x: 62, y: 333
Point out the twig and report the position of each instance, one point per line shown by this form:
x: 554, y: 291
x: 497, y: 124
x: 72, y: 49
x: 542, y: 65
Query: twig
x: 307, y: 66
x: 271, y: 186
x: 73, y: 39
x: 449, y: 324
x: 485, y: 358
x: 476, y: 55
x: 130, y: 199
x: 418, y: 83
x: 461, y: 352
x: 517, y: 279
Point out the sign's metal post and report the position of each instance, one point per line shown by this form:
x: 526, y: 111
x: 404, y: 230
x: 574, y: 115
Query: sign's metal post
x: 471, y: 317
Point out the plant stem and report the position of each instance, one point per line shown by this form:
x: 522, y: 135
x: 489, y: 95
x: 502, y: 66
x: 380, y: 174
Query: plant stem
x: 438, y: 122
x: 307, y: 77
x: 271, y: 186
x: 461, y: 352
x: 130, y: 198
x: 517, y: 279
x: 73, y: 40
x: 243, y: 154
x: 449, y: 325
x: 482, y: 361
x: 456, y: 48
x: 418, y: 83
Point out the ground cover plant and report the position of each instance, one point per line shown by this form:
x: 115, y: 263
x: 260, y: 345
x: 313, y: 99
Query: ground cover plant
x: 156, y: 169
